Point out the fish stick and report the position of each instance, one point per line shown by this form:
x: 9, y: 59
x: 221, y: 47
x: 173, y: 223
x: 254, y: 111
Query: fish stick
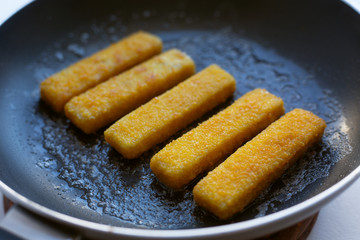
x: 121, y: 94
x: 245, y: 174
x: 204, y: 146
x: 157, y: 120
x: 59, y: 88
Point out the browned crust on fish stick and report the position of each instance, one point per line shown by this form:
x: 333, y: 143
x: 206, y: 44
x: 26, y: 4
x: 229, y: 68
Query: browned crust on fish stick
x: 59, y: 88
x: 116, y: 97
x: 155, y: 121
x: 238, y: 180
x: 204, y: 146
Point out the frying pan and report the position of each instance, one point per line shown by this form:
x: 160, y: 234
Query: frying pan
x: 306, y: 52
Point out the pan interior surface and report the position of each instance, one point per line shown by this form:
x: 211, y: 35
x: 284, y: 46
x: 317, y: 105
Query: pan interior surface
x: 310, y: 63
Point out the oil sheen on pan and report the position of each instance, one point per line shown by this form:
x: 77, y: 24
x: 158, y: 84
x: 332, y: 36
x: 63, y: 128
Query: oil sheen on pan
x: 93, y: 174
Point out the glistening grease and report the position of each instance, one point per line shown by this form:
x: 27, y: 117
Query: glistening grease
x: 98, y: 176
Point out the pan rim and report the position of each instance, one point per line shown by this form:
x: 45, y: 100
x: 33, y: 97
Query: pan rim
x: 264, y: 225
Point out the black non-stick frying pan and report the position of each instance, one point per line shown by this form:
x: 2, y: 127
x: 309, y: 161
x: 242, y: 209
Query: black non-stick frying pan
x: 306, y: 52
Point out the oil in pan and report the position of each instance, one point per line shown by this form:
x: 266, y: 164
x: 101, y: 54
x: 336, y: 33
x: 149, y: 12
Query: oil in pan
x: 127, y: 189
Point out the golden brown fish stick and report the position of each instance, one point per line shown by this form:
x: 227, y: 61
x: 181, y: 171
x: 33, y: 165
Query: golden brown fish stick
x: 240, y: 179
x: 155, y: 121
x: 116, y: 97
x: 59, y: 88
x: 204, y: 146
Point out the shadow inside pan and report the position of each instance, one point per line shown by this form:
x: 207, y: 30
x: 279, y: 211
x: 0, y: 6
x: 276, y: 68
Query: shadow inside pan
x: 82, y: 176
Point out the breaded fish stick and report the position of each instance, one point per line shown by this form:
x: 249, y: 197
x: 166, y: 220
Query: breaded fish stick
x: 87, y: 73
x: 204, y: 146
x: 238, y: 180
x: 157, y: 120
x: 118, y: 96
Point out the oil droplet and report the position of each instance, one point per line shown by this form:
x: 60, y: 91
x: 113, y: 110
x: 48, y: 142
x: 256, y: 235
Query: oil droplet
x: 76, y: 49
